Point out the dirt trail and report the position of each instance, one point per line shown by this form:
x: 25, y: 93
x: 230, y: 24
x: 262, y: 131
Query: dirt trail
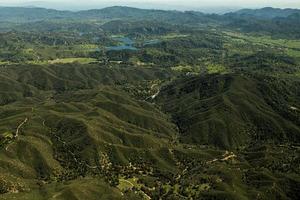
x: 226, y: 156
x: 19, y: 127
x: 17, y: 131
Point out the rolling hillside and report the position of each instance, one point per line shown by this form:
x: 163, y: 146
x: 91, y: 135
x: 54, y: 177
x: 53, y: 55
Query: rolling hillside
x: 127, y: 103
x: 268, y: 12
x: 83, y: 128
x: 230, y: 111
x: 84, y: 136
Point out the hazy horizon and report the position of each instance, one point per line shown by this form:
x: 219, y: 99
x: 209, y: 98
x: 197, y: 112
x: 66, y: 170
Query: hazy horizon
x: 203, y: 5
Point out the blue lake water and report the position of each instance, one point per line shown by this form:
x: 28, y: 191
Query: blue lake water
x: 128, y: 44
x: 121, y: 47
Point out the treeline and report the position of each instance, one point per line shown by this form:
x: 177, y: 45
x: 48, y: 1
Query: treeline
x: 281, y: 27
x: 172, y: 52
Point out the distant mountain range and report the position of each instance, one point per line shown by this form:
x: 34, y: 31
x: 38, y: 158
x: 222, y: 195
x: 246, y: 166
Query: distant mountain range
x: 25, y: 14
x: 268, y: 12
x: 279, y: 22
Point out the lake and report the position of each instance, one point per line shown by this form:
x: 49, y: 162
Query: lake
x: 128, y: 44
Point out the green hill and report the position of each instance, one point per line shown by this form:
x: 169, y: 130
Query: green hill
x: 230, y: 111
x: 204, y: 107
x: 67, y: 127
x: 268, y: 12
x: 80, y: 131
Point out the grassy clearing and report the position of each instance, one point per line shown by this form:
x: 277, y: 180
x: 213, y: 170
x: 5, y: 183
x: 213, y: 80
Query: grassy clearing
x: 5, y: 138
x: 129, y: 184
x: 8, y: 134
x: 216, y: 68
x: 4, y: 62
x: 64, y: 61
x: 265, y: 40
x: 174, y: 35
x: 72, y: 60
x: 125, y: 184
x: 86, y: 47
x: 293, y: 53
x: 237, y: 44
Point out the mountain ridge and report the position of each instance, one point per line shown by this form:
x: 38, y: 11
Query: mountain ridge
x: 268, y: 12
x: 36, y: 13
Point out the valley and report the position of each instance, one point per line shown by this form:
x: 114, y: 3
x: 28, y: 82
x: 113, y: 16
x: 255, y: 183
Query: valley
x: 126, y: 103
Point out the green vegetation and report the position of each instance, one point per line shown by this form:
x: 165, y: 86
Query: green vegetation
x: 211, y: 68
x: 72, y: 60
x: 191, y: 106
x: 214, y: 112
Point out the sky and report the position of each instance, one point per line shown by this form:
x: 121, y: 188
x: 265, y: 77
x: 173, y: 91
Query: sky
x: 163, y: 4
